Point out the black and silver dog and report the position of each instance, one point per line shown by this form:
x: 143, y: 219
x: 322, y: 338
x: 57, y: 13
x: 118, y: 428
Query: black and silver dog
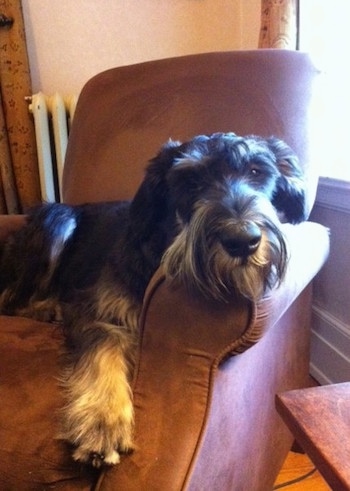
x: 209, y: 210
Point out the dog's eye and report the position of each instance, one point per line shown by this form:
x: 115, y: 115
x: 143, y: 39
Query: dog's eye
x: 255, y: 172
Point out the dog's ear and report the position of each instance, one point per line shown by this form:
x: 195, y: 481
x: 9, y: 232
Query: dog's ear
x: 289, y: 196
x: 150, y: 204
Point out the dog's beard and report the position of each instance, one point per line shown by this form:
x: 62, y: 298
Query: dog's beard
x: 198, y: 261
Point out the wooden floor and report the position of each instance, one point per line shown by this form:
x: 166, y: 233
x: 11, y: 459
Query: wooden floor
x: 295, y: 466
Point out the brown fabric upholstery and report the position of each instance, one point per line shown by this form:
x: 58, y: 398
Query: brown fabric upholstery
x: 31, y: 455
x: 205, y: 384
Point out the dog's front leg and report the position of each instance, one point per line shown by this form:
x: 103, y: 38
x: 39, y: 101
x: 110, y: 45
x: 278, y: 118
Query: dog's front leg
x: 98, y: 416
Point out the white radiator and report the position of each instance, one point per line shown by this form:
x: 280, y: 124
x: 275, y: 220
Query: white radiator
x: 53, y: 116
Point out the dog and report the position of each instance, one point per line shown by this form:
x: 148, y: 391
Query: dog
x: 208, y: 210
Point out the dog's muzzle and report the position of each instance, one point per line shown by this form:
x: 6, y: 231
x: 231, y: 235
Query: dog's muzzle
x: 226, y: 250
x: 241, y: 240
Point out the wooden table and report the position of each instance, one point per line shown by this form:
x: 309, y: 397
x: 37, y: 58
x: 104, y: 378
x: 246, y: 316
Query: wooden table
x: 319, y: 418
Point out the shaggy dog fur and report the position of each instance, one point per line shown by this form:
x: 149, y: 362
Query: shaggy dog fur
x: 209, y: 210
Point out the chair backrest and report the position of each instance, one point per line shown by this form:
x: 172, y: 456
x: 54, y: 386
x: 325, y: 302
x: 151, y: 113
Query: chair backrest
x: 125, y: 114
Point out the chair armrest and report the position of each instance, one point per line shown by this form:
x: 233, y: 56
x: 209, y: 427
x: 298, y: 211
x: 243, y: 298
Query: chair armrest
x: 308, y: 247
x: 9, y: 224
x: 183, y: 343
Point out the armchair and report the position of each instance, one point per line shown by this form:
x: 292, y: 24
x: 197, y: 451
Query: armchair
x: 207, y: 376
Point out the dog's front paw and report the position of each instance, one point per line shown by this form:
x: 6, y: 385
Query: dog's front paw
x: 102, y: 443
x: 100, y: 433
x: 99, y: 415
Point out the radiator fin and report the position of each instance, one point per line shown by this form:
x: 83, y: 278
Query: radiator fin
x: 53, y: 116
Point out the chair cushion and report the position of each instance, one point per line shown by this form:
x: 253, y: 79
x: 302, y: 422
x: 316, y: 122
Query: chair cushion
x: 30, y: 456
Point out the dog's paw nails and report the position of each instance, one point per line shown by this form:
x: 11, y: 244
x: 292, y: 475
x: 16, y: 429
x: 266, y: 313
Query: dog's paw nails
x: 97, y: 448
x: 98, y: 460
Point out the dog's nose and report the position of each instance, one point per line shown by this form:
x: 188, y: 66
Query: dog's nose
x: 242, y: 240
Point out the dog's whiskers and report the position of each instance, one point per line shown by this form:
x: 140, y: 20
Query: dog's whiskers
x: 201, y: 260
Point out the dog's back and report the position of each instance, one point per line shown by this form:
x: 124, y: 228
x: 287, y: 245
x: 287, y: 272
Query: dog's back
x: 61, y: 250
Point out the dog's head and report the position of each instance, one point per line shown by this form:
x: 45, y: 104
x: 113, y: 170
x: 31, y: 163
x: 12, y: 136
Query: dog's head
x: 217, y: 202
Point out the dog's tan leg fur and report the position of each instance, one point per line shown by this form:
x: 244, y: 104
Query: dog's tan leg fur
x: 98, y: 416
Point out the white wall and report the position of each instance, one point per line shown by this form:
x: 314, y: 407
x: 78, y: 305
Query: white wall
x: 71, y: 40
